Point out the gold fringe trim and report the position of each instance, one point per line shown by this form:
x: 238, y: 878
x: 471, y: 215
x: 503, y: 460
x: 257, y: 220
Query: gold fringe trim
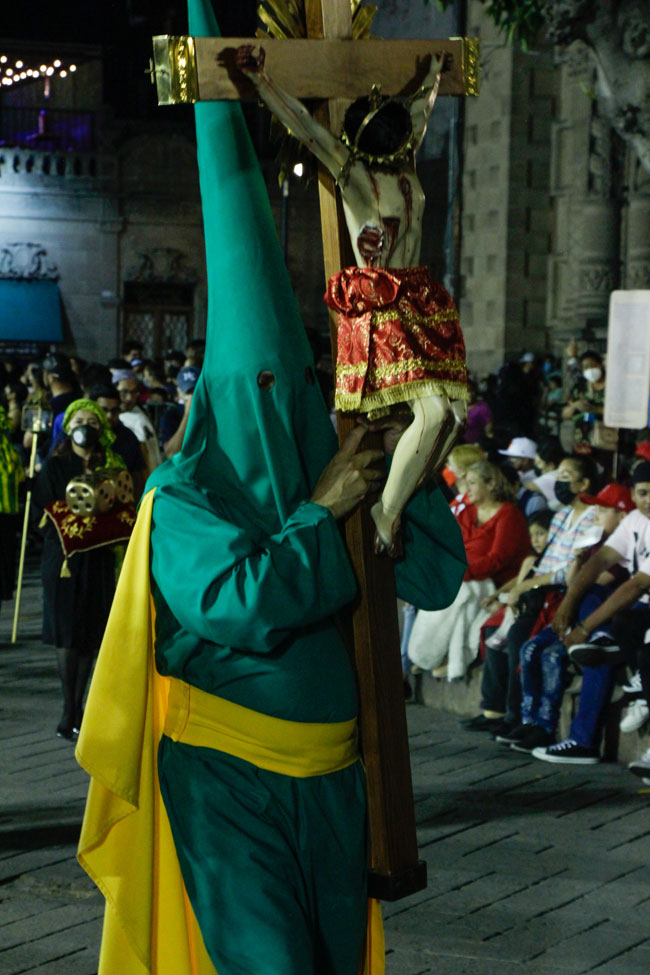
x: 412, y: 318
x: 402, y: 393
x: 392, y: 369
x: 65, y: 570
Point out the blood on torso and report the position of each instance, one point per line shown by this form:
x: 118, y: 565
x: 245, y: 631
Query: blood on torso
x: 383, y: 213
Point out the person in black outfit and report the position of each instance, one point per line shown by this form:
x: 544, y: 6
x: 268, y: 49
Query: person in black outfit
x: 75, y: 607
x: 126, y: 443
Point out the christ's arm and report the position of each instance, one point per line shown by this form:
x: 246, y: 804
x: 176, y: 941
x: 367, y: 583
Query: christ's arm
x: 291, y: 112
x: 422, y: 104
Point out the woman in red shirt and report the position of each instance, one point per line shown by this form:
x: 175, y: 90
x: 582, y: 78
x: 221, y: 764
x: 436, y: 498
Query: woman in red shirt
x: 494, y: 530
x: 496, y: 540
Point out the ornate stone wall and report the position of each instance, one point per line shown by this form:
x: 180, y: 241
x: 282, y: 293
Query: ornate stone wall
x: 505, y: 200
x: 586, y: 176
x: 635, y: 226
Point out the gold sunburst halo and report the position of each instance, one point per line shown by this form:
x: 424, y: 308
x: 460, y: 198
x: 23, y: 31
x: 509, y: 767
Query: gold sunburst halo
x: 285, y: 19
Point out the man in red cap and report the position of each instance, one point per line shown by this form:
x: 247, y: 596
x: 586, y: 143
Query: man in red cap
x: 627, y: 609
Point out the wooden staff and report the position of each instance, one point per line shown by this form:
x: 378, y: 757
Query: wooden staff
x: 23, y: 542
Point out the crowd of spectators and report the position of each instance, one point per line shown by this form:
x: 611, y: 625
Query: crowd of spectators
x: 554, y: 509
x: 126, y: 414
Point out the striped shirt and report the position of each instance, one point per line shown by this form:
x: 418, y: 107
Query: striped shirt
x: 564, y: 538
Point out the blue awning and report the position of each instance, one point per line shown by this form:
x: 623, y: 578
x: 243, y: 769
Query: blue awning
x: 30, y: 311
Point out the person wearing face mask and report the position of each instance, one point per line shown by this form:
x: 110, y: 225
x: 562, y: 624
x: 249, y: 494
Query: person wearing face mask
x: 76, y: 606
x: 586, y: 403
x: 571, y: 527
x: 548, y: 456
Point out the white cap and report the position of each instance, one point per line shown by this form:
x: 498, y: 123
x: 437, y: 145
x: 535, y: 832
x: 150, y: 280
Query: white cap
x: 528, y: 357
x: 521, y: 447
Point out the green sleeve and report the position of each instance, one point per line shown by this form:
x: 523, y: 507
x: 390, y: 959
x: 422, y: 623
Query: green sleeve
x: 230, y: 588
x: 432, y: 569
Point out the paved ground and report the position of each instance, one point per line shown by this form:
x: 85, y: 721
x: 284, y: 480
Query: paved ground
x: 533, y: 868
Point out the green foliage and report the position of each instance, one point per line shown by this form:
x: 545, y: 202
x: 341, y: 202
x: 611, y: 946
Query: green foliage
x: 519, y: 20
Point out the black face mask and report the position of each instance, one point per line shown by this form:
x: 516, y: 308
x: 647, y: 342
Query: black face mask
x: 563, y: 492
x: 538, y: 470
x: 85, y: 435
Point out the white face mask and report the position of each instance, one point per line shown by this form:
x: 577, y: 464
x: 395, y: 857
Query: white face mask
x: 592, y: 375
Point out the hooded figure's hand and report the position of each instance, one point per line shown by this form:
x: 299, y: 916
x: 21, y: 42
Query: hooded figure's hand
x: 347, y: 477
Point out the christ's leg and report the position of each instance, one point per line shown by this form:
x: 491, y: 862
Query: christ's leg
x: 422, y: 447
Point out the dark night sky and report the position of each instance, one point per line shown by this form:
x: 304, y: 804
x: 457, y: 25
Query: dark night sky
x: 109, y: 22
x: 123, y: 28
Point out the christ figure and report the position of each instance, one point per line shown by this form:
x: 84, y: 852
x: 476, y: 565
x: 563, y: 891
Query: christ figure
x: 399, y: 339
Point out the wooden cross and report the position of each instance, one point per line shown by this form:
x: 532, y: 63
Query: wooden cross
x: 329, y: 65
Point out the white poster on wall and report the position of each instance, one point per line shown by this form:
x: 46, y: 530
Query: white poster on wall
x: 628, y: 360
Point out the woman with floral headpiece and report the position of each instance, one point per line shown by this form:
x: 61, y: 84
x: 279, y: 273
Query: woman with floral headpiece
x: 11, y: 474
x: 75, y: 604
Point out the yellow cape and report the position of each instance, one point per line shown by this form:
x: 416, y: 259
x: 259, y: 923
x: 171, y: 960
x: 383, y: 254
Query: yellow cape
x: 126, y: 844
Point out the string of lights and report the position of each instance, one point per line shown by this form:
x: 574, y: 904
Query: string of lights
x: 16, y: 72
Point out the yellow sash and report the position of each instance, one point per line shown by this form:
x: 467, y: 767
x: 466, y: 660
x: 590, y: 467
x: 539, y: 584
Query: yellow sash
x: 126, y: 844
x: 288, y: 747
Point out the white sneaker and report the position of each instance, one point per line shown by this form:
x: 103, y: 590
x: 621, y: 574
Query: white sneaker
x: 634, y: 684
x: 634, y: 716
x: 642, y: 765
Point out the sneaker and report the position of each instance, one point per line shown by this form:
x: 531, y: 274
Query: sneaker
x: 634, y: 716
x: 633, y: 686
x: 642, y: 765
x: 536, y: 738
x: 481, y: 723
x: 600, y: 650
x: 503, y: 728
x: 515, y: 734
x: 567, y: 752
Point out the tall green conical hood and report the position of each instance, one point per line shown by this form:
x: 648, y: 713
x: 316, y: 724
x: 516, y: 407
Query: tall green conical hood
x: 260, y: 447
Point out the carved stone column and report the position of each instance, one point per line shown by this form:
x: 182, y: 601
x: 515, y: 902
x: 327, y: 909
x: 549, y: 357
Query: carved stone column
x: 635, y: 244
x: 585, y: 256
x: 597, y: 216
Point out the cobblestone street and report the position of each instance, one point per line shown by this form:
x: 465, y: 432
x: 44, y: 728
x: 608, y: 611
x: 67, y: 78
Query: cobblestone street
x: 533, y: 868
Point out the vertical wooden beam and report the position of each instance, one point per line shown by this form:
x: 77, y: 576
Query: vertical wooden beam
x: 395, y: 868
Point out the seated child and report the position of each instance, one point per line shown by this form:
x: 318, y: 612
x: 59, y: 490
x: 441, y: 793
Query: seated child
x: 544, y: 661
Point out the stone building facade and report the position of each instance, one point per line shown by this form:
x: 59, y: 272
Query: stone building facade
x: 555, y: 208
x: 600, y: 209
x: 505, y: 215
x: 118, y: 219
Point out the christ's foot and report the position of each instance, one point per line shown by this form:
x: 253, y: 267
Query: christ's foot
x: 388, y: 538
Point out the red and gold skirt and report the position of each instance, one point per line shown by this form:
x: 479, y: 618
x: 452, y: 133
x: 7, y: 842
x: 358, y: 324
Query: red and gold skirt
x: 399, y: 338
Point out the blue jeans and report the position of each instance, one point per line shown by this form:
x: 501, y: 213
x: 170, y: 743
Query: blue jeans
x: 408, y: 619
x: 543, y: 667
x: 543, y: 670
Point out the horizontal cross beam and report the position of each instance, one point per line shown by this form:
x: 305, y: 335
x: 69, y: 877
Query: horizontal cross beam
x: 191, y: 69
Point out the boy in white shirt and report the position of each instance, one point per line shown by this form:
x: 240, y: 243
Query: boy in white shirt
x: 627, y: 608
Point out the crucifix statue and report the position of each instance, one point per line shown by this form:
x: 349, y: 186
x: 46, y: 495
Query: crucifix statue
x: 381, y: 204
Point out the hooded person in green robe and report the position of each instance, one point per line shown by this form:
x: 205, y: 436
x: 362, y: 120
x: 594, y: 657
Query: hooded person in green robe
x: 249, y: 570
